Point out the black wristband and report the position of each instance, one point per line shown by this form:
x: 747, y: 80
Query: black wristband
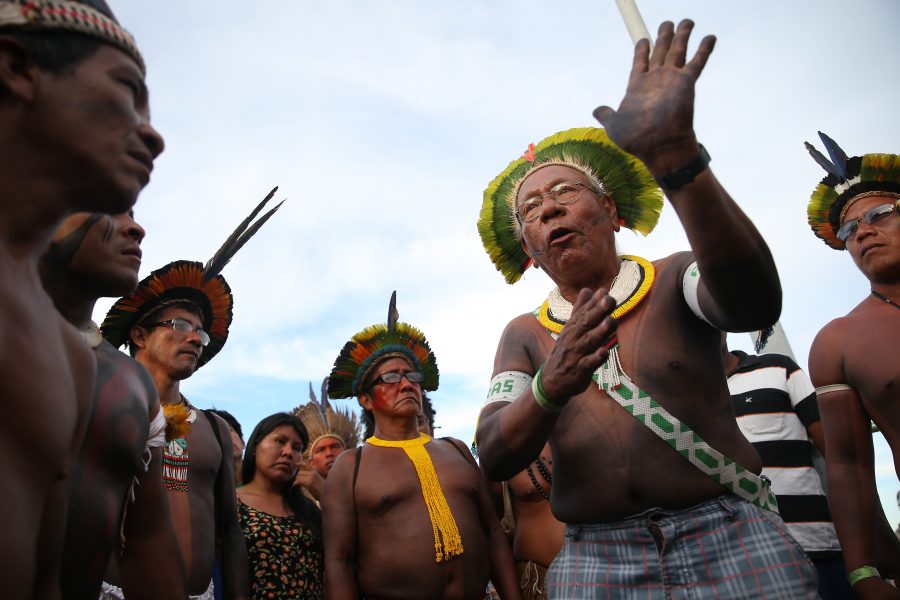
x: 685, y: 175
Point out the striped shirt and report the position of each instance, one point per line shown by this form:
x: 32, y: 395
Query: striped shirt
x: 774, y: 402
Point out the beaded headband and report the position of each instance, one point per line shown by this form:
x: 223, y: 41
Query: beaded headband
x: 610, y: 170
x: 373, y: 345
x: 91, y: 17
x: 848, y: 180
x: 190, y: 282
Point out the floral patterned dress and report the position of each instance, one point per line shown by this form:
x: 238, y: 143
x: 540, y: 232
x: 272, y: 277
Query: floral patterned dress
x: 286, y: 557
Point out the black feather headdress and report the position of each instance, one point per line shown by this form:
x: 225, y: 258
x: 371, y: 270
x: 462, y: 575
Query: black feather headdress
x: 187, y: 281
x: 848, y: 179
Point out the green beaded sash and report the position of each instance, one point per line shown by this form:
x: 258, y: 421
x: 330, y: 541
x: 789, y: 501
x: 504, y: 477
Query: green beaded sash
x: 691, y: 446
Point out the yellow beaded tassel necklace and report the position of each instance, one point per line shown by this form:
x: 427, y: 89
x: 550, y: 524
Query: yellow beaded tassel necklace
x: 447, y: 541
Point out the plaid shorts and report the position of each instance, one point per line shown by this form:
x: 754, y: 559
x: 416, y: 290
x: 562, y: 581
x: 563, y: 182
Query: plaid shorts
x: 724, y: 548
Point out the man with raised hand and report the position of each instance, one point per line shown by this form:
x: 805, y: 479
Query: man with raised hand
x: 619, y: 369
x: 74, y: 121
x: 853, y: 359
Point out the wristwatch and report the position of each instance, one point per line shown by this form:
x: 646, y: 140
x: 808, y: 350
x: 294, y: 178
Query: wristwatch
x: 685, y: 175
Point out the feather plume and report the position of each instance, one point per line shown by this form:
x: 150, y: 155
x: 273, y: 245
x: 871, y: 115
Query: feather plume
x: 824, y: 162
x: 325, y: 405
x: 238, y: 238
x: 393, y: 314
x: 312, y: 394
x: 838, y: 156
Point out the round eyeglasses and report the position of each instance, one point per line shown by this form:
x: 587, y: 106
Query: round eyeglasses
x: 182, y: 326
x: 395, y: 377
x: 566, y: 192
x: 848, y: 229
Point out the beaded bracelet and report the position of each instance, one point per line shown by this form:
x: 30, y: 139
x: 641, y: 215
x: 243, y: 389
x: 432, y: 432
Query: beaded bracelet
x: 537, y: 388
x: 864, y: 572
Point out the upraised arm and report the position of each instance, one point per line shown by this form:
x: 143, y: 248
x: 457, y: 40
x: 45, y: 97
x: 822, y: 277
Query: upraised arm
x: 339, y: 524
x: 739, y: 290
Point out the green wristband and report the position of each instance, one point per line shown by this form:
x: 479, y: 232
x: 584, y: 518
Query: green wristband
x: 537, y: 388
x: 857, y: 575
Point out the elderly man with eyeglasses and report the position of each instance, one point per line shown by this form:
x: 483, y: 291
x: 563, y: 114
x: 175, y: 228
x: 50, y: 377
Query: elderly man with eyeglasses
x: 619, y: 368
x: 405, y: 515
x: 853, y: 359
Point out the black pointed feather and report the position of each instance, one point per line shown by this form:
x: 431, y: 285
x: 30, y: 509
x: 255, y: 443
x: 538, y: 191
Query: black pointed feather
x: 324, y: 393
x: 824, y: 162
x: 393, y: 315
x: 238, y: 238
x: 838, y: 156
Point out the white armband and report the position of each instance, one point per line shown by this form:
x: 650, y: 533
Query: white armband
x: 834, y: 387
x: 689, y: 284
x: 507, y: 386
x: 156, y: 436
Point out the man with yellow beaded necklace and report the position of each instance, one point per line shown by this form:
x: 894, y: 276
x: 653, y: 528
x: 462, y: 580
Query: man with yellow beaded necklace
x: 619, y: 368
x: 379, y: 498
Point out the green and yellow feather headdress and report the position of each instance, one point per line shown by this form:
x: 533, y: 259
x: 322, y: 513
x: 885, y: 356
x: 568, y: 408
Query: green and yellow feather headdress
x: 848, y: 180
x: 618, y: 174
x: 380, y: 342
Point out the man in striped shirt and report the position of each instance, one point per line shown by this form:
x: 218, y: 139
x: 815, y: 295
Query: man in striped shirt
x: 775, y: 405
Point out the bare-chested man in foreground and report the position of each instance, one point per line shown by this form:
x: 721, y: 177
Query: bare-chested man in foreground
x: 642, y: 518
x: 380, y: 498
x: 95, y: 255
x: 76, y: 136
x: 853, y: 360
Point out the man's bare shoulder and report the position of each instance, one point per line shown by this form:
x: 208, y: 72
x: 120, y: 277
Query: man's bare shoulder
x: 122, y: 363
x: 457, y: 446
x: 343, y: 464
x: 517, y: 343
x: 826, y: 354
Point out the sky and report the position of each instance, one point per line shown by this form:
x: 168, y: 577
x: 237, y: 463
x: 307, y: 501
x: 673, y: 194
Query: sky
x: 383, y: 122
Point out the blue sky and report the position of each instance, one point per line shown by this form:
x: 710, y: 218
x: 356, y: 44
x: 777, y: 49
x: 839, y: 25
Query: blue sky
x: 383, y: 122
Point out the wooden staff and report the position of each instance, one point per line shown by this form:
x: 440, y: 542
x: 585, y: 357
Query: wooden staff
x: 633, y: 21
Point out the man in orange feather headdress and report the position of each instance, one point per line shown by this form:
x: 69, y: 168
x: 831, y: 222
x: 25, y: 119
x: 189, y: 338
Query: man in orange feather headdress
x: 174, y: 323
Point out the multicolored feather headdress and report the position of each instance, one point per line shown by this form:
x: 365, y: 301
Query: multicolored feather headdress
x: 375, y: 344
x: 90, y: 17
x: 185, y: 281
x: 848, y: 180
x: 323, y: 421
x: 610, y: 170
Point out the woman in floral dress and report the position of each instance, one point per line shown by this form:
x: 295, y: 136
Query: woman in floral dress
x: 283, y: 528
